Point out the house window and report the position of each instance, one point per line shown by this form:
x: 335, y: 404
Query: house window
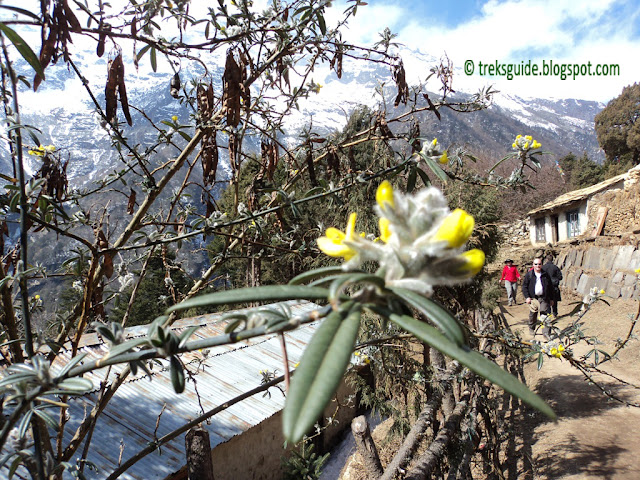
x: 540, y: 231
x: 573, y: 224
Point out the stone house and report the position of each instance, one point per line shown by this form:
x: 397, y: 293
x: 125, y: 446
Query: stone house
x: 589, y: 212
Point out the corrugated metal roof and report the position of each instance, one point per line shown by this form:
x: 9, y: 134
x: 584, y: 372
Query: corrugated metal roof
x: 129, y: 421
x: 577, y: 195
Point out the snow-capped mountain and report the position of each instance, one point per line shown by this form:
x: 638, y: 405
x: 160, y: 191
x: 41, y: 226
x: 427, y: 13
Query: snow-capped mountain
x: 67, y: 118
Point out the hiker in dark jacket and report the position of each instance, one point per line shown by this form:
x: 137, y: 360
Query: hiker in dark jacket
x: 536, y: 290
x: 555, y: 274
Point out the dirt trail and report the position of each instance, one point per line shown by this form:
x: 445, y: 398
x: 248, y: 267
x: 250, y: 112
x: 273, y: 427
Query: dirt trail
x: 595, y: 437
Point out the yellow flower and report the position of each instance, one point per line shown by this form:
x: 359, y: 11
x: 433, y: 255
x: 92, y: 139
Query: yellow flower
x: 536, y: 144
x: 514, y: 145
x: 601, y: 292
x: 526, y: 145
x: 357, y: 353
x: 174, y: 118
x: 518, y: 137
x: 37, y: 297
x: 474, y: 259
x: 560, y: 348
x: 434, y: 143
x: 554, y: 352
x: 333, y: 244
x: 444, y: 159
x: 384, y: 195
x: 529, y: 138
x: 385, y: 232
x: 296, y: 365
x: 456, y: 228
x: 637, y: 270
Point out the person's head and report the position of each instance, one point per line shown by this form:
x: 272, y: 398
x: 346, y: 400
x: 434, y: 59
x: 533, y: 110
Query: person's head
x: 537, y: 264
x: 548, y: 258
x: 509, y: 262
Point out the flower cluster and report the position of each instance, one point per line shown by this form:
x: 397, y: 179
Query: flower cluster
x: 525, y: 143
x: 433, y: 151
x: 553, y: 349
x: 421, y: 242
x: 42, y: 150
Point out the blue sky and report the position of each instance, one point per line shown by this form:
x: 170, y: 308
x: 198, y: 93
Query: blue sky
x: 605, y: 32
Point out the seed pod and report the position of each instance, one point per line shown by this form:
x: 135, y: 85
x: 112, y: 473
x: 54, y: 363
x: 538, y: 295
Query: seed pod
x: 175, y: 86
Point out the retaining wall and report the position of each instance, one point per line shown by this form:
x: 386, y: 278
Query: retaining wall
x: 608, y: 263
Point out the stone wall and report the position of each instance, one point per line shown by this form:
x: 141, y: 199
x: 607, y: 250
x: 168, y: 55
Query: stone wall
x: 608, y: 263
x: 623, y: 209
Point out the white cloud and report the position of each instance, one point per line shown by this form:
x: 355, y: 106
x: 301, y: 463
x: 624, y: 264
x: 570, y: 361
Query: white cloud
x: 514, y: 31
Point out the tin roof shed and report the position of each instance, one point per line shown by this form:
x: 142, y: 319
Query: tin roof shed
x: 143, y: 411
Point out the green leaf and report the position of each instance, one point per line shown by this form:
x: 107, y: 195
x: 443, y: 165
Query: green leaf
x: 313, y: 274
x: 48, y: 419
x: 321, y: 23
x: 473, y: 361
x: 184, y: 135
x: 321, y: 368
x: 153, y: 59
x: 141, y: 52
x: 125, y: 346
x: 21, y: 11
x: 424, y: 177
x: 184, y: 337
x: 435, y: 168
x: 411, y: 180
x: 439, y: 316
x: 72, y: 363
x: 253, y: 294
x: 76, y: 386
x: 540, y: 361
x: 177, y: 374
x: 23, y: 48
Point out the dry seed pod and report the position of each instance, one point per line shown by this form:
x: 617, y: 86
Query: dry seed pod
x: 110, y: 94
x: 71, y: 19
x: 122, y: 90
x: 312, y: 172
x: 209, y: 158
x: 400, y: 78
x: 231, y: 86
x: 131, y: 203
x: 46, y: 53
x: 175, y: 86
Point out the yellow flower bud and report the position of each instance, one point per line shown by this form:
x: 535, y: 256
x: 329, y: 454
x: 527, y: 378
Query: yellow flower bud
x: 554, y: 352
x: 514, y: 145
x: 518, y: 137
x: 384, y: 195
x: 385, y: 232
x: 333, y: 244
x: 475, y: 261
x: 602, y: 292
x: 456, y: 228
x: 434, y: 143
x: 526, y: 145
x: 444, y: 159
x: 174, y: 118
x: 529, y: 138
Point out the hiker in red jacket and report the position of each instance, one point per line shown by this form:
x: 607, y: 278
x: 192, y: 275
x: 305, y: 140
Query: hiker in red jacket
x: 510, y: 275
